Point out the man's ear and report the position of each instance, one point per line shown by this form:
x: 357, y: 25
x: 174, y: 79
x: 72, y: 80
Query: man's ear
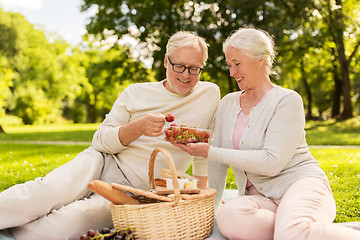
x: 165, y: 61
x: 262, y: 61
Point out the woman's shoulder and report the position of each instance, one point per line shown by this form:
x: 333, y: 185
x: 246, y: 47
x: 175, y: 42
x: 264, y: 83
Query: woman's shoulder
x: 281, y: 93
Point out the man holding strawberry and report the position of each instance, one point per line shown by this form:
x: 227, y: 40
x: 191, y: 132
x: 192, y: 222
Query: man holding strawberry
x: 60, y: 206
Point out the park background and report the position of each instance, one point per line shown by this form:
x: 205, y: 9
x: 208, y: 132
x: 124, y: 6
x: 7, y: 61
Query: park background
x: 56, y: 93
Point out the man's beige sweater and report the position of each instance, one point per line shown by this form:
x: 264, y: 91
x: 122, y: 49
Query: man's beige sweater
x: 196, y: 109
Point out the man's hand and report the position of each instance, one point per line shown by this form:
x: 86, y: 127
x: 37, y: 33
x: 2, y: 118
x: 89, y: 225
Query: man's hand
x: 199, y: 149
x: 150, y: 125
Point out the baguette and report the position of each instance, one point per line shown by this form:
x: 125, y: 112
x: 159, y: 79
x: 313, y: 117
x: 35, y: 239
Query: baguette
x: 114, y: 195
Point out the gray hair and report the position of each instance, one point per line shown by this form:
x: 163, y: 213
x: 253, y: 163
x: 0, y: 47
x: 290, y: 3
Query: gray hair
x: 186, y: 39
x: 254, y: 43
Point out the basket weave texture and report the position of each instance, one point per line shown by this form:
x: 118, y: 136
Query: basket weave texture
x: 181, y: 219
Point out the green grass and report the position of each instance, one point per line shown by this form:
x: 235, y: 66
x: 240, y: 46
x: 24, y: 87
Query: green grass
x: 23, y: 162
x: 333, y: 133
x: 317, y: 132
x: 342, y: 166
x: 58, y: 132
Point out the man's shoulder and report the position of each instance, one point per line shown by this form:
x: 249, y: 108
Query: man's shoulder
x: 135, y: 87
x: 208, y: 86
x: 144, y: 84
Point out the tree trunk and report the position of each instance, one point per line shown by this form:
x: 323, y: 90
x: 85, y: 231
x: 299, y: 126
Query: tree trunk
x: 335, y: 111
x: 338, y: 35
x: 2, y: 130
x: 91, y: 113
x: 309, y: 115
x: 348, y: 109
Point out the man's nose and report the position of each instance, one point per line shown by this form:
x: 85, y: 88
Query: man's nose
x: 186, y: 73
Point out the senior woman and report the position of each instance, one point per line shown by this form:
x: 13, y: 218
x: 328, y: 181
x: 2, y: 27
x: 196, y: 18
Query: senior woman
x: 259, y: 132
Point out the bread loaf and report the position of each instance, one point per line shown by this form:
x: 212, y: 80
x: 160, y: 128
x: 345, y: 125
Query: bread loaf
x: 112, y: 194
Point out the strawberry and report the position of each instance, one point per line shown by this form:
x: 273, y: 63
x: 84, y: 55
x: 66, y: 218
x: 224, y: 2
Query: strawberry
x: 168, y: 132
x: 169, y: 117
x: 198, y: 133
x: 206, y: 134
x: 191, y: 130
x: 176, y: 131
x: 183, y: 127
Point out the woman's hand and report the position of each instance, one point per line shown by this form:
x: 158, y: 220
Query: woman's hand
x: 199, y: 149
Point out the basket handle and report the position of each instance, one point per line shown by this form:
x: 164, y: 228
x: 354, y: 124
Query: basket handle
x: 172, y: 168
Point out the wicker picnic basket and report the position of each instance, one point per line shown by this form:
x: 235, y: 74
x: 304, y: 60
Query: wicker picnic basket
x: 179, y: 219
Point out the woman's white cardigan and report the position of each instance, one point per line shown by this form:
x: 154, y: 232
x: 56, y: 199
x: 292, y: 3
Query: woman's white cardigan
x: 273, y: 151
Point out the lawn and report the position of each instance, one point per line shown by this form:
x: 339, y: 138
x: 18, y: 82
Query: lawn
x: 22, y: 162
x: 333, y: 133
x: 60, y: 132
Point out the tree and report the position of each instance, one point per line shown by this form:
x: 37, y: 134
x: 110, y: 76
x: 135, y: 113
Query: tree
x: 5, y: 83
x: 344, y: 31
x: 149, y: 21
x: 42, y: 75
x: 108, y: 72
x: 153, y: 21
x: 7, y: 50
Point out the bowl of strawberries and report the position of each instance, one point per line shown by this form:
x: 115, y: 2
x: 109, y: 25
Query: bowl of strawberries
x: 183, y: 133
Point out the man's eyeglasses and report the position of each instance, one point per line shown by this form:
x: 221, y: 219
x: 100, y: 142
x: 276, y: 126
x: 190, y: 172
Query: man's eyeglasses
x: 181, y: 68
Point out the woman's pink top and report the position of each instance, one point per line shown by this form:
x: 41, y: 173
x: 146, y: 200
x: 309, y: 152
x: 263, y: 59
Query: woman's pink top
x: 241, y: 124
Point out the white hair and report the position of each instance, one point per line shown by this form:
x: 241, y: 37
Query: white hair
x: 254, y: 43
x: 186, y: 39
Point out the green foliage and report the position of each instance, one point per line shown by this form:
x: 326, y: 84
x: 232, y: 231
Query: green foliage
x: 302, y: 31
x: 108, y: 73
x: 44, y: 79
x: 5, y: 83
x: 41, y: 77
x: 317, y: 44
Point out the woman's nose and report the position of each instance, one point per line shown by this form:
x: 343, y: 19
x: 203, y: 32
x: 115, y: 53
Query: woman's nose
x: 232, y: 72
